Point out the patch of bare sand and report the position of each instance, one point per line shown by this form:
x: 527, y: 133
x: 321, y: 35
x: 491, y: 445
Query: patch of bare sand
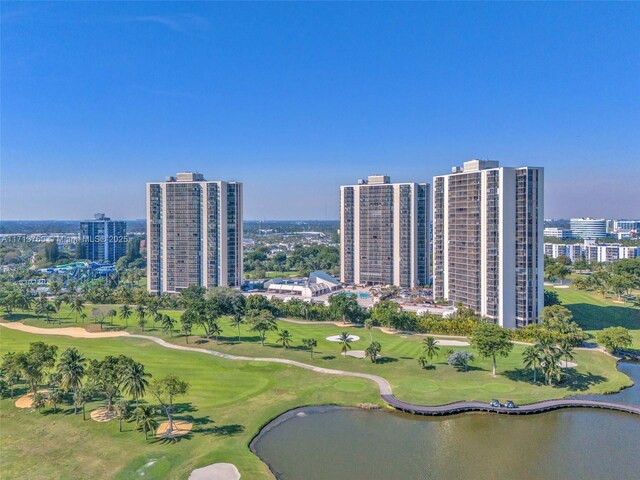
x: 180, y: 427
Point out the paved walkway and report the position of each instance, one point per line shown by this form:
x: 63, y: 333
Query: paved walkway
x: 384, y: 387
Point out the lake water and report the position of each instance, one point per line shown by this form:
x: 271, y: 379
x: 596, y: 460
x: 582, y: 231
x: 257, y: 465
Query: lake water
x: 329, y: 443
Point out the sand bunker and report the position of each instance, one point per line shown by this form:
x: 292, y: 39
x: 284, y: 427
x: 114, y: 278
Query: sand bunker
x: 565, y: 364
x: 180, y: 427
x: 26, y: 401
x: 336, y: 338
x: 101, y: 414
x: 216, y: 471
x: 75, y: 332
x: 355, y: 353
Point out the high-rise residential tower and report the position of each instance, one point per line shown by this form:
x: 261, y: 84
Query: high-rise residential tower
x: 488, y: 241
x: 103, y: 239
x: 194, y: 233
x: 384, y: 233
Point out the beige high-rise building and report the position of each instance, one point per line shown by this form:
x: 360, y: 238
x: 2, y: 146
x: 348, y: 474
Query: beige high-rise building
x: 194, y: 233
x: 384, y: 233
x: 488, y: 241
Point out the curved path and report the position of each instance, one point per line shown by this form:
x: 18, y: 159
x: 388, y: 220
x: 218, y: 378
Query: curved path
x: 384, y: 386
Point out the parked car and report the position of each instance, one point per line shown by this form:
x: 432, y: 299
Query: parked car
x: 496, y: 403
x: 510, y: 404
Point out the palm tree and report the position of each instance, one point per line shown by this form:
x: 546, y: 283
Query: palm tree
x: 144, y: 418
x: 430, y: 347
x: 141, y: 311
x: 55, y: 397
x: 310, y: 343
x: 57, y: 303
x: 38, y: 401
x: 72, y: 368
x: 216, y: 330
x: 125, y: 313
x: 134, y: 380
x: 368, y: 324
x: 41, y: 305
x: 168, y: 324
x: 345, y: 342
x: 77, y: 306
x: 566, y: 350
x: 80, y: 398
x: 532, y: 356
x: 423, y: 362
x: 284, y: 337
x: 236, y: 321
x: 373, y: 351
x: 121, y: 409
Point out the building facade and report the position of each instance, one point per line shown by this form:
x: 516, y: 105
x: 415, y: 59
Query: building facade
x: 555, y: 232
x: 103, y: 239
x: 384, y: 233
x: 573, y: 251
x: 194, y: 233
x: 588, y: 227
x: 488, y: 241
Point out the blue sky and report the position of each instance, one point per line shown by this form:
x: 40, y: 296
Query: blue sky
x: 295, y: 99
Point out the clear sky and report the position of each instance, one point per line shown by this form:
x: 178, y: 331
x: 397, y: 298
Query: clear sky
x: 295, y: 99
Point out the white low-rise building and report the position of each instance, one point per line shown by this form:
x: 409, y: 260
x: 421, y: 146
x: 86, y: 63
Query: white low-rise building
x: 318, y: 283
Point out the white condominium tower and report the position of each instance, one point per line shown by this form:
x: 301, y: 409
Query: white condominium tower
x: 488, y: 241
x: 194, y: 233
x: 384, y: 233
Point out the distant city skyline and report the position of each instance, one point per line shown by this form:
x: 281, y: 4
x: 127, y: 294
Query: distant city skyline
x: 294, y: 100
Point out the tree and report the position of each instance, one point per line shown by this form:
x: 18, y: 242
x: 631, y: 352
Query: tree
x: 551, y: 355
x: 125, y: 313
x: 423, y: 362
x: 215, y: 330
x: 34, y: 362
x: 121, y: 408
x: 284, y: 338
x: 551, y: 298
x: 373, y: 351
x: 460, y: 359
x: 134, y: 379
x: 430, y: 347
x: 10, y: 371
x: 141, y: 311
x: 168, y: 324
x: 345, y: 342
x: 368, y: 324
x: 532, y: 357
x: 310, y: 343
x: 262, y: 322
x: 72, y: 369
x: 55, y: 397
x: 236, y: 321
x: 81, y: 397
x: 186, y: 323
x: 614, y: 338
x: 165, y: 389
x: 386, y: 313
x: 491, y: 340
x: 566, y: 350
x: 143, y: 415
x: 97, y: 315
x: 38, y: 401
x: 345, y: 307
x: 106, y: 376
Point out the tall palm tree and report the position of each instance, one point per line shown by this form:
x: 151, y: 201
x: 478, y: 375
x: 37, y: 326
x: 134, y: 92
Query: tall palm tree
x: 532, y: 357
x: 41, y: 305
x: 168, y: 324
x: 345, y: 342
x: 284, y: 337
x: 141, y: 311
x: 134, y: 380
x: 566, y: 350
x: 144, y: 418
x: 77, y: 305
x: 215, y: 330
x: 57, y: 303
x: 236, y: 321
x: 72, y: 368
x: 430, y: 347
x: 121, y: 410
x: 368, y: 324
x: 310, y: 343
x: 125, y: 313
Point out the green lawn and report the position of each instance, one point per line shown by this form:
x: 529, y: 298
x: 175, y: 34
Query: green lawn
x: 275, y: 274
x: 593, y: 313
x: 228, y: 403
x: 227, y: 393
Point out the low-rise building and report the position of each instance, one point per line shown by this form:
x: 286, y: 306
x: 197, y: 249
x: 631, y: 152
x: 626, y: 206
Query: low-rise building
x: 318, y: 283
x: 555, y: 232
